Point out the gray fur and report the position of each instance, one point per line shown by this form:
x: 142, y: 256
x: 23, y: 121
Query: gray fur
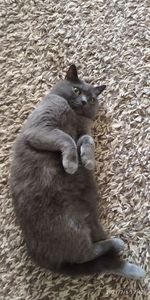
x: 53, y: 186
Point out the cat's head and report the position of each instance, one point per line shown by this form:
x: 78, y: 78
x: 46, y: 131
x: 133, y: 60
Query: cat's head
x: 81, y: 96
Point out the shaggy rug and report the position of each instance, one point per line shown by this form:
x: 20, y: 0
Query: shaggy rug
x: 109, y: 42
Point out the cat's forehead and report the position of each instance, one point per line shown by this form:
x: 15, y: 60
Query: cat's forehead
x: 86, y: 87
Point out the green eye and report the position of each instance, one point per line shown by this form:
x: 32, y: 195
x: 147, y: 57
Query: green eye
x: 76, y: 91
x: 93, y: 100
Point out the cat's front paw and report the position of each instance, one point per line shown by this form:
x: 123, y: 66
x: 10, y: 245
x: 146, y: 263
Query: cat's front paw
x: 87, y: 157
x: 86, y: 149
x: 87, y: 161
x: 70, y: 163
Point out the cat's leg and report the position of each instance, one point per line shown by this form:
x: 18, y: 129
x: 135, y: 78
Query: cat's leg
x: 101, y: 248
x: 54, y: 140
x: 83, y: 247
x: 125, y: 268
x: 112, y: 264
x: 86, y: 150
x: 97, y: 231
x: 90, y: 258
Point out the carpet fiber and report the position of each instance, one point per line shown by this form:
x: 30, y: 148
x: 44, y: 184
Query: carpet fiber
x: 108, y: 40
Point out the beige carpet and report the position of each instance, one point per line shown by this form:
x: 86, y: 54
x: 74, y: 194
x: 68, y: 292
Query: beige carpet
x: 109, y: 42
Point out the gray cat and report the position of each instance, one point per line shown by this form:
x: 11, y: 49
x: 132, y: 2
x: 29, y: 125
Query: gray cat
x: 54, y: 189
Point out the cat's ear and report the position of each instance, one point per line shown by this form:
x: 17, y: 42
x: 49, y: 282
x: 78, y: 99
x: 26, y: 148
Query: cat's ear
x: 99, y: 89
x: 72, y: 74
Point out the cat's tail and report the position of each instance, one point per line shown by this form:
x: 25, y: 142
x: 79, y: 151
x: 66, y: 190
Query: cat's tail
x: 110, y: 263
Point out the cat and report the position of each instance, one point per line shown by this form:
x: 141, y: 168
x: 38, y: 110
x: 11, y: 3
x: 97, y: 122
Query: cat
x: 54, y: 190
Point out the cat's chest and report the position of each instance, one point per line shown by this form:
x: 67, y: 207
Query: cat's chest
x: 74, y: 125
x: 69, y: 124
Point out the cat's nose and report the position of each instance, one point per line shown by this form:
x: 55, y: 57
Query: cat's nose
x: 84, y: 100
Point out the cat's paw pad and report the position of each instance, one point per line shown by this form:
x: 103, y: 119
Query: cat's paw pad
x: 132, y: 271
x: 70, y: 166
x: 117, y: 244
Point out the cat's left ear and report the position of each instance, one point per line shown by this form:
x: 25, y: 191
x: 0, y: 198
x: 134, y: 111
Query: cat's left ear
x: 99, y: 89
x: 72, y: 74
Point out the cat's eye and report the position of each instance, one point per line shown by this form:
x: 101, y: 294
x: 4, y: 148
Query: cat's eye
x: 76, y: 90
x: 93, y: 100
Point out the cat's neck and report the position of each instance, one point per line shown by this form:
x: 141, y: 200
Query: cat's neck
x: 84, y: 125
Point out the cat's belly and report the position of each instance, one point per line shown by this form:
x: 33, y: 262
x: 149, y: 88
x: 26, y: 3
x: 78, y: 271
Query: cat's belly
x: 56, y: 179
x: 49, y: 175
x: 43, y: 183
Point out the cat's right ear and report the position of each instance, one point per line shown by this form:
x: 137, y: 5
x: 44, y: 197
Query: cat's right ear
x: 72, y: 74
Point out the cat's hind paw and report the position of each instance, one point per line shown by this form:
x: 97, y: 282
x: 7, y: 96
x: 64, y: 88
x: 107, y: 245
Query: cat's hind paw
x: 117, y: 244
x: 131, y: 271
